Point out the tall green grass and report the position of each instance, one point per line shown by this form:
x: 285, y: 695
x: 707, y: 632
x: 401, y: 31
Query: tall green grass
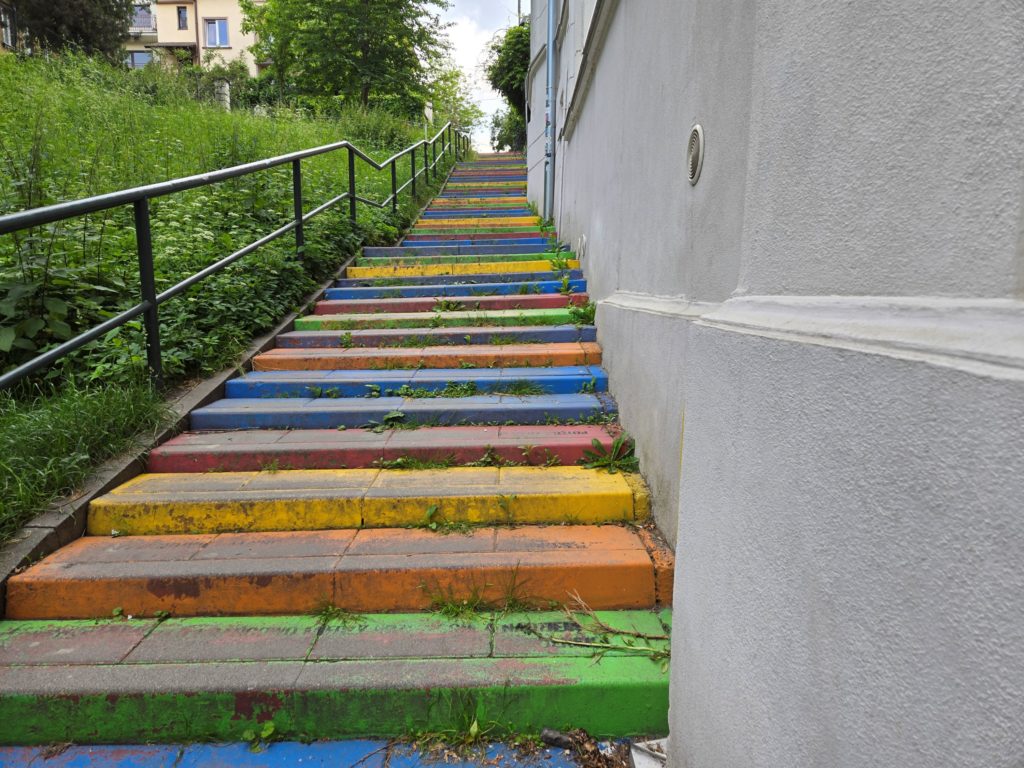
x: 71, y: 127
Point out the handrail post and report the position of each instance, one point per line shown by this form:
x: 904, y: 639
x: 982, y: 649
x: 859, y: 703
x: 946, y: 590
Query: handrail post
x: 300, y: 235
x: 433, y: 153
x: 351, y: 184
x: 394, y: 187
x: 412, y: 162
x: 426, y: 162
x: 147, y: 286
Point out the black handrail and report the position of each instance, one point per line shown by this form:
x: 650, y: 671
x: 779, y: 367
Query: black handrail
x: 452, y: 141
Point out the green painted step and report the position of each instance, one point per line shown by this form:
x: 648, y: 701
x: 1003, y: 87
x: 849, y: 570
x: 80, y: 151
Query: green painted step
x: 408, y: 261
x: 353, y: 676
x: 479, y: 318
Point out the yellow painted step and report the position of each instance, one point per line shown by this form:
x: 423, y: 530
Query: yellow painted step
x: 496, y: 221
x: 476, y: 268
x: 296, y: 500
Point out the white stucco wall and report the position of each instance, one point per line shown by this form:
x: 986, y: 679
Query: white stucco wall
x: 834, y: 312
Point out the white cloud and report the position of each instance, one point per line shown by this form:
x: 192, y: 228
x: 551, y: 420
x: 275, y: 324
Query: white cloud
x: 474, y: 23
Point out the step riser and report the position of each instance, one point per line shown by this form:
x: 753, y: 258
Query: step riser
x: 313, y: 415
x: 430, y: 357
x: 474, y: 236
x: 265, y: 574
x: 469, y: 291
x: 424, y: 320
x: 534, y: 242
x: 480, y: 274
x: 332, y: 700
x: 451, y: 250
x: 410, y: 261
x: 360, y: 384
x: 478, y: 271
x: 482, y: 303
x: 434, y: 337
x: 355, y: 449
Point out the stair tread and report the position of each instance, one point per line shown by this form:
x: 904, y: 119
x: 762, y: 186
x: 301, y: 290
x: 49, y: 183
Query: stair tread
x: 358, y: 570
x: 252, y: 450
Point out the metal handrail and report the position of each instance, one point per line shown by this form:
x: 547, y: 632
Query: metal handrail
x: 451, y: 140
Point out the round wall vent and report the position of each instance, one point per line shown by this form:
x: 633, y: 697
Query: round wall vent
x: 695, y: 153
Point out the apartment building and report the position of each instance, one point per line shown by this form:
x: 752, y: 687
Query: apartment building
x: 190, y: 28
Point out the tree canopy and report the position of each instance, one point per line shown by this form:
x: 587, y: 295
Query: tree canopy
x: 369, y: 51
x: 507, y: 64
x: 90, y: 26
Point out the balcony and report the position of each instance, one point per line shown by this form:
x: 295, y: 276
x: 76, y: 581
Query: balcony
x: 143, y: 22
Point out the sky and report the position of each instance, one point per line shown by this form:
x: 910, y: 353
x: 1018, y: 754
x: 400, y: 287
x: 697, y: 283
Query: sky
x: 474, y: 23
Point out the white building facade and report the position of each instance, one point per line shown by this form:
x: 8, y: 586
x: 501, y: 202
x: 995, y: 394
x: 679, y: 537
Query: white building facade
x: 819, y: 347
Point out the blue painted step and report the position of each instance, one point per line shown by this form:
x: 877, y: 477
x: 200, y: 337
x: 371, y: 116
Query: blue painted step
x: 480, y: 277
x: 281, y: 754
x: 478, y: 213
x: 457, y: 289
x: 410, y: 251
x: 430, y: 337
x: 327, y: 413
x: 457, y: 194
x: 517, y: 241
x: 559, y: 380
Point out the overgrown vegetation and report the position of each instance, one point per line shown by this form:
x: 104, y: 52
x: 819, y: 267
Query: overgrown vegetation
x: 49, y: 444
x: 72, y: 127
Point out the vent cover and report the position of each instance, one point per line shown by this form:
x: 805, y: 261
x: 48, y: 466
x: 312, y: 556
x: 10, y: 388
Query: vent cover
x: 695, y: 153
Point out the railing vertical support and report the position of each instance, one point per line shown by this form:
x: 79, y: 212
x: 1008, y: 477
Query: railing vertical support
x: 426, y: 162
x: 412, y: 162
x: 147, y: 285
x: 394, y: 187
x: 433, y: 153
x: 300, y: 234
x: 351, y: 184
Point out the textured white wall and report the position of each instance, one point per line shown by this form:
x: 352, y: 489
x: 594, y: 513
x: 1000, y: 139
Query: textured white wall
x: 850, y: 590
x: 849, y: 508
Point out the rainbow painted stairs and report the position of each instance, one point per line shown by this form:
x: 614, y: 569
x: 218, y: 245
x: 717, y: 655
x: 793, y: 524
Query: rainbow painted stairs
x: 376, y: 532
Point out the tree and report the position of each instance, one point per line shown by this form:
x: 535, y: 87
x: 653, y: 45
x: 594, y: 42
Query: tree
x: 90, y: 26
x: 507, y: 64
x: 508, y: 131
x: 368, y: 51
x: 451, y: 96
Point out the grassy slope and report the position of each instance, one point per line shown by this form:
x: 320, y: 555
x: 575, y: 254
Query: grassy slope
x: 71, y: 127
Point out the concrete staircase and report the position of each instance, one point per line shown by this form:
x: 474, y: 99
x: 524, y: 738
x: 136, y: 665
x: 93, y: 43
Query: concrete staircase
x: 375, y: 531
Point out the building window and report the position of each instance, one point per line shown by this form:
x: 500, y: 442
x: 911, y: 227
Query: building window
x: 138, y: 59
x: 216, y: 33
x: 142, y: 19
x: 182, y: 17
x: 6, y: 27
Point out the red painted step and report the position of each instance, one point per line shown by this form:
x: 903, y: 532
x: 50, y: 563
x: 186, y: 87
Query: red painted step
x: 429, y: 303
x: 253, y: 450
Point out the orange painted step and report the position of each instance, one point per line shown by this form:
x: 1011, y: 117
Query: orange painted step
x: 477, y: 355
x: 389, y: 570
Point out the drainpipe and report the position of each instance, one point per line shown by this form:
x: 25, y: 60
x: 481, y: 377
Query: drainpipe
x: 549, y: 118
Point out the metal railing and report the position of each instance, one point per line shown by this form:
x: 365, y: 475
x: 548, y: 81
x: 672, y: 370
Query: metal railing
x: 451, y: 141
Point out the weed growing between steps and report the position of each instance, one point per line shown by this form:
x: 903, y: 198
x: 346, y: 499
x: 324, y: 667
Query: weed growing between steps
x: 49, y: 444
